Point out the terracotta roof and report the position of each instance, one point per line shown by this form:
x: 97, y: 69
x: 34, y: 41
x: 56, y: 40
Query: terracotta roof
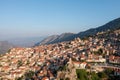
x: 45, y: 78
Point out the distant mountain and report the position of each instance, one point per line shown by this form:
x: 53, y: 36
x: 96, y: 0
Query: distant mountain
x: 55, y: 39
x: 112, y: 25
x: 48, y: 40
x: 5, y: 46
x: 25, y: 42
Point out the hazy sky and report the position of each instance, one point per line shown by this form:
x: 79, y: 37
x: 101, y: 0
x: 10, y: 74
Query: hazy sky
x: 25, y: 18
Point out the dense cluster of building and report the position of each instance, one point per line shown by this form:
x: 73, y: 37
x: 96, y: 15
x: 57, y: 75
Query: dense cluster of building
x: 48, y: 61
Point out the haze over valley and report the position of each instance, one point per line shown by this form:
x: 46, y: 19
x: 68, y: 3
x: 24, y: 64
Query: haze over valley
x: 59, y: 39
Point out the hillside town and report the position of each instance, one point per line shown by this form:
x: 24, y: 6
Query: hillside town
x: 59, y: 61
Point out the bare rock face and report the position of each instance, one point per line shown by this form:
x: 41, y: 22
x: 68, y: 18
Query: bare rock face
x: 55, y: 39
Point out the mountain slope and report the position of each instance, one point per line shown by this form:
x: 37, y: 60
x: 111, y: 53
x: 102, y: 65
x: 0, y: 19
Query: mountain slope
x: 62, y: 37
x: 112, y: 25
x: 4, y: 46
x: 55, y: 39
x: 47, y: 40
x: 115, y: 24
x: 25, y: 41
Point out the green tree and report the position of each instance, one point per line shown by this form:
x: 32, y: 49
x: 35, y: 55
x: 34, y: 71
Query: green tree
x: 108, y: 71
x: 100, y: 51
x: 9, y: 50
x: 28, y: 62
x: 63, y: 68
x: 67, y: 47
x: 19, y: 63
x: 102, y: 75
x: 29, y: 74
x: 67, y: 78
x: 81, y: 74
x: 94, y: 76
x: 20, y: 78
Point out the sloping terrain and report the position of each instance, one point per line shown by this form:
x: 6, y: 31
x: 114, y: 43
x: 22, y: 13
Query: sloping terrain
x: 4, y: 46
x: 112, y: 25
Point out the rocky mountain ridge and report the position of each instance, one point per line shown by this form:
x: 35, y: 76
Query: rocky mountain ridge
x: 114, y: 24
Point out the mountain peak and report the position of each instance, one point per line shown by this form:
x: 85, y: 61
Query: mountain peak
x: 112, y: 25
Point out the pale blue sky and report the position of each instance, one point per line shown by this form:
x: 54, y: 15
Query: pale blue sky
x: 28, y: 18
